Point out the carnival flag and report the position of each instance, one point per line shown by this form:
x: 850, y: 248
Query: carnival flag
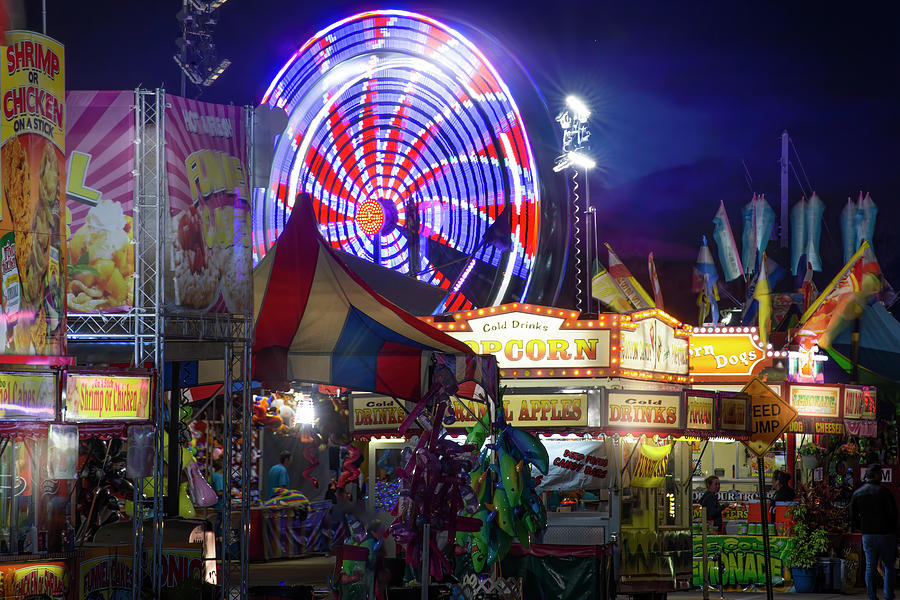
x: 798, y: 234
x: 654, y: 282
x: 763, y: 297
x: 859, y: 281
x: 729, y: 257
x: 705, y: 280
x: 633, y: 290
x: 748, y: 237
x: 815, y: 209
x: 848, y: 229
x: 605, y: 289
x: 759, y: 223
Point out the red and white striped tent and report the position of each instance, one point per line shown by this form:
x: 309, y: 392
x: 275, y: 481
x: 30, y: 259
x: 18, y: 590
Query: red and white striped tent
x: 317, y: 322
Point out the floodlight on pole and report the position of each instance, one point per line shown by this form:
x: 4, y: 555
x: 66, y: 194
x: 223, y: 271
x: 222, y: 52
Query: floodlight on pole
x: 580, y: 160
x: 580, y: 110
x: 575, y: 138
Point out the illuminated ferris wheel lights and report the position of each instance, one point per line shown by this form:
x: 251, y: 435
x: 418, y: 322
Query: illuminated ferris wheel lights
x: 370, y: 216
x: 581, y: 110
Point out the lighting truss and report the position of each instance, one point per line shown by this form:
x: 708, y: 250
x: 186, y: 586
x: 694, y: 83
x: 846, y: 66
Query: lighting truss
x: 196, y: 53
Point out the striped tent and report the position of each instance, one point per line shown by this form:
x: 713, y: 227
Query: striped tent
x: 317, y: 322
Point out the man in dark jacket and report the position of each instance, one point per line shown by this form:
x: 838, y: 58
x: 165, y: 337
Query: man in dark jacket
x: 874, y: 512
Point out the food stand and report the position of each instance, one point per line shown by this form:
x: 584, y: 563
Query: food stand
x: 604, y: 393
x: 723, y: 360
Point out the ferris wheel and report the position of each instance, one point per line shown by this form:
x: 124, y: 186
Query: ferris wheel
x: 415, y: 154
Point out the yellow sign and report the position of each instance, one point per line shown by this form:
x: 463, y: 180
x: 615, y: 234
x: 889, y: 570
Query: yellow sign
x: 100, y: 397
x: 770, y: 416
x: 376, y: 413
x: 530, y: 411
x: 28, y: 396
x: 815, y: 400
x: 650, y: 471
x: 32, y: 195
x: 42, y: 580
x: 726, y: 355
x: 700, y: 411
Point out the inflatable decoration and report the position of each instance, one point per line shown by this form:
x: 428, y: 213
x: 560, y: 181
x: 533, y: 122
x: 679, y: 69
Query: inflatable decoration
x: 510, y: 506
x: 311, y: 454
x: 287, y: 498
x: 350, y: 471
x: 434, y: 483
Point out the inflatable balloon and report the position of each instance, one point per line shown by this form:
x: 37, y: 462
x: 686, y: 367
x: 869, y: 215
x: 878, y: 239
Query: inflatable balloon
x: 311, y: 454
x: 502, y: 482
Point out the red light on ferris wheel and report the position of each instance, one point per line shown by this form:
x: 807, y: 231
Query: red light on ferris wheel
x: 370, y: 216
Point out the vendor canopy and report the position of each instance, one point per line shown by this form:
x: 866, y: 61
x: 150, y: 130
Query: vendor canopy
x: 318, y: 322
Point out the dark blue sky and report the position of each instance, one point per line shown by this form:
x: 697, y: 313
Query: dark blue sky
x: 682, y: 93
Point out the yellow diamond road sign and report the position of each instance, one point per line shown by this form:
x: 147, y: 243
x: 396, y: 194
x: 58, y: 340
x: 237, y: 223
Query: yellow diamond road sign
x: 769, y: 416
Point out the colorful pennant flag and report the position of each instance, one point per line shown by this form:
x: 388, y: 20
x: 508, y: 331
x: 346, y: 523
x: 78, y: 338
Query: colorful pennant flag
x: 605, y: 289
x: 633, y: 290
x: 806, y: 231
x: 763, y: 296
x: 654, y: 282
x: 858, y: 282
x: 705, y: 280
x: 759, y: 223
x: 729, y: 257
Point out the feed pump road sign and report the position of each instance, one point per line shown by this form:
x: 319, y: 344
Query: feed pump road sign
x: 769, y: 416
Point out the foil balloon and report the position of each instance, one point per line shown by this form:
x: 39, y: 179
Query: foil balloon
x: 311, y: 454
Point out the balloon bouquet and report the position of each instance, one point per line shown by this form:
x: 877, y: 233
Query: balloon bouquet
x: 483, y: 500
x: 510, y: 507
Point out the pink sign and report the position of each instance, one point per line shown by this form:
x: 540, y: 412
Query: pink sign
x: 208, y: 238
x: 99, y: 201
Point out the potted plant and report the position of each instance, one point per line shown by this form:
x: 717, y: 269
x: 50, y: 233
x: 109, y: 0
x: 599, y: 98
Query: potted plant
x: 810, y: 455
x: 818, y: 520
x: 806, y: 546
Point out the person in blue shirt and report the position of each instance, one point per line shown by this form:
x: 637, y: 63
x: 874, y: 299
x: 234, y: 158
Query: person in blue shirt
x: 278, y: 474
x: 217, y: 481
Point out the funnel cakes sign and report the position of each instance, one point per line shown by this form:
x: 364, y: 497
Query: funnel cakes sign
x: 209, y: 207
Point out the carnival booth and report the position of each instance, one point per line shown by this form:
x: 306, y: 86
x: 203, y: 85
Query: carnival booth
x: 316, y: 322
x: 604, y: 393
x: 836, y: 417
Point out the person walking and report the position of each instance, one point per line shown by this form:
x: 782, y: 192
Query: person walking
x: 874, y: 512
x: 710, y: 501
x: 278, y: 474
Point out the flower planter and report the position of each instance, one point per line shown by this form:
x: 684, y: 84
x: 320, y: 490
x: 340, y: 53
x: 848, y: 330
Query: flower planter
x: 809, y: 461
x: 804, y: 579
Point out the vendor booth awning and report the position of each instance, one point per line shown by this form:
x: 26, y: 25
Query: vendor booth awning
x: 317, y: 322
x: 879, y: 341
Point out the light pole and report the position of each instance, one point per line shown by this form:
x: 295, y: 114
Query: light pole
x: 574, y: 123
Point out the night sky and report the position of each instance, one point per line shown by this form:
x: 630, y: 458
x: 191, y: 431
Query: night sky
x: 684, y: 95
